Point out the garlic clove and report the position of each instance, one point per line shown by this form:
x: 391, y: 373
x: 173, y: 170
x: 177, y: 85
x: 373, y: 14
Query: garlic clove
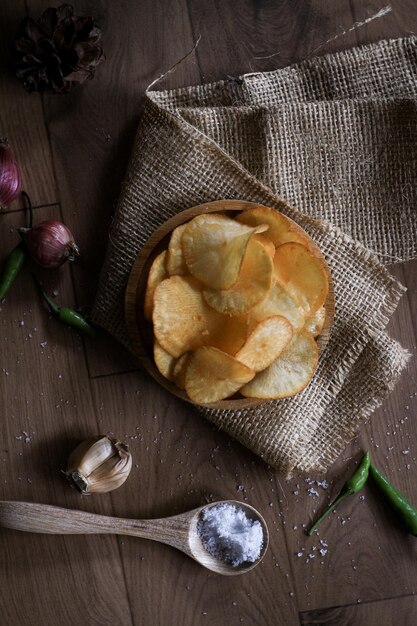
x: 99, y: 465
x: 112, y: 473
x: 90, y: 454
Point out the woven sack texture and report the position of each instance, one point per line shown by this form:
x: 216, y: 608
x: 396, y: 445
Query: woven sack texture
x: 334, y: 136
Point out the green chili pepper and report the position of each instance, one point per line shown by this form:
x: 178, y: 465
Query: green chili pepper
x: 354, y: 484
x: 14, y: 264
x: 404, y: 509
x: 66, y: 315
x: 16, y: 258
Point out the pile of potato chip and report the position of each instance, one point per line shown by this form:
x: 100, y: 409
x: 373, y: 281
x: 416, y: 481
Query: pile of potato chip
x: 236, y: 305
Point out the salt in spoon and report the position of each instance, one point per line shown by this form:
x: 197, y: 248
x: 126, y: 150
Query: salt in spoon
x: 179, y: 531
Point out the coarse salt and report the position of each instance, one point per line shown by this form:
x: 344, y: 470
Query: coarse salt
x: 229, y: 535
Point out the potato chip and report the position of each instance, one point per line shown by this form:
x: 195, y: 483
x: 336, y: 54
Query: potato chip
x: 214, y: 247
x: 252, y: 285
x: 164, y: 361
x: 265, y: 343
x: 213, y: 375
x: 314, y: 324
x: 175, y: 261
x: 156, y: 275
x: 267, y: 244
x: 280, y: 230
x: 302, y: 275
x: 289, y: 373
x: 277, y: 302
x: 183, y: 321
x: 179, y: 370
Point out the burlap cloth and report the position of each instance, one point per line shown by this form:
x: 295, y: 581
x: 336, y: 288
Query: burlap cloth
x: 335, y: 137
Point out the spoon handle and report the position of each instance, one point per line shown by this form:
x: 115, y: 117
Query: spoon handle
x: 43, y: 518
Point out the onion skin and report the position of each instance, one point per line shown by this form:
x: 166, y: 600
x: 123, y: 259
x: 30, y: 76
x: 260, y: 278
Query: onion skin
x: 50, y: 243
x: 10, y: 178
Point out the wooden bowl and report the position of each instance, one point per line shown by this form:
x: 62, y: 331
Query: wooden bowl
x: 140, y: 331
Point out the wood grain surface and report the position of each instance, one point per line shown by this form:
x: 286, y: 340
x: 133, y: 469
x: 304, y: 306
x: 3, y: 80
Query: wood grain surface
x: 392, y: 612
x: 57, y: 388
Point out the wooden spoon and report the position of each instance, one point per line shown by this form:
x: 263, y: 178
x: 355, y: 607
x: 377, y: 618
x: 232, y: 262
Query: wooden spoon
x: 179, y: 531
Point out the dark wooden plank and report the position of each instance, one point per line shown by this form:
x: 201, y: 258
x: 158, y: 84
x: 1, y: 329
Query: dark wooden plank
x: 109, y: 357
x: 21, y: 117
x: 180, y: 461
x: 387, y: 612
x: 263, y: 36
x: 46, y: 407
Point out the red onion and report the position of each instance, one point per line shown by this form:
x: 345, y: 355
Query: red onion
x: 10, y: 179
x: 50, y: 243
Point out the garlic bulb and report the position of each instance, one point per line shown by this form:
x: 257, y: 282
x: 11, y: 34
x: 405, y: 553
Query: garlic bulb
x: 99, y: 465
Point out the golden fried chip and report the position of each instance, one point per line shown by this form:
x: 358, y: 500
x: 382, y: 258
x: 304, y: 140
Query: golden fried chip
x: 265, y: 343
x: 179, y: 370
x: 214, y: 247
x: 183, y: 321
x: 157, y: 273
x: 213, y: 375
x: 314, y: 324
x: 289, y: 373
x: 302, y: 275
x: 267, y: 243
x: 175, y: 261
x: 281, y: 229
x: 164, y: 361
x: 252, y: 285
x: 277, y: 302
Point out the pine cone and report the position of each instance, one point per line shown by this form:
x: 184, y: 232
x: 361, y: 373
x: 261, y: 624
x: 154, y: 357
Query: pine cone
x: 57, y: 50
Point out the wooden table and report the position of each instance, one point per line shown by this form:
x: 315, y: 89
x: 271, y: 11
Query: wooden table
x: 57, y: 388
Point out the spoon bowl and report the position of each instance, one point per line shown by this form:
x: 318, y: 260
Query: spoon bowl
x: 200, y: 554
x: 178, y: 531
